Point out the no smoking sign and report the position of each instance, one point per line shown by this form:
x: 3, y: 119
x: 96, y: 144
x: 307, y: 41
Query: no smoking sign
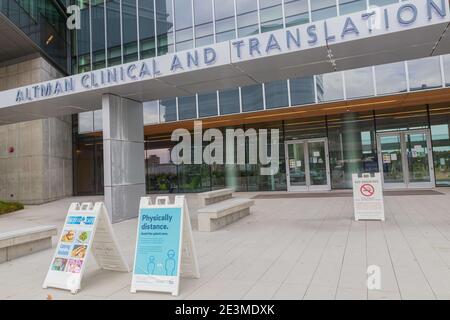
x: 367, y: 190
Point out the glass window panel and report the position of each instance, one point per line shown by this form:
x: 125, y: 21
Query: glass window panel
x: 424, y: 73
x: 224, y: 19
x: 440, y: 133
x: 85, y: 122
x: 252, y: 98
x: 204, y: 28
x: 247, y: 17
x: 296, y: 12
x: 276, y: 94
x: 151, y: 115
x: 352, y: 144
x: 113, y: 26
x: 207, y: 105
x: 271, y: 15
x: 98, y: 37
x: 229, y: 101
x: 324, y: 9
x: 329, y: 87
x: 359, y: 83
x: 147, y: 29
x: 380, y: 3
x: 164, y: 26
x: 129, y: 29
x: 187, y: 108
x: 183, y: 24
x: 391, y: 78
x: 302, y: 91
x: 446, y: 60
x: 83, y: 42
x: 98, y: 120
x: 168, y: 110
x: 350, y: 6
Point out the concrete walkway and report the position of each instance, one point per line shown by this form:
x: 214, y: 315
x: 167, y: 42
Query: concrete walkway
x: 291, y: 248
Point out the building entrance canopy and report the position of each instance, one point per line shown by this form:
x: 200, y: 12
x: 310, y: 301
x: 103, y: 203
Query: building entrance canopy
x: 407, y: 30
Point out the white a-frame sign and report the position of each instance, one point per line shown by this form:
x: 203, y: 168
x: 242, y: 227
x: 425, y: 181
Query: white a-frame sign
x: 87, y: 230
x: 164, y: 246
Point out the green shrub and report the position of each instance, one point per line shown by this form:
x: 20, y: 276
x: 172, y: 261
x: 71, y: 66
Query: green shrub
x: 7, y: 207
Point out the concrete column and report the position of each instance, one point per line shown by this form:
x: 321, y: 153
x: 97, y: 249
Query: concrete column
x: 123, y: 150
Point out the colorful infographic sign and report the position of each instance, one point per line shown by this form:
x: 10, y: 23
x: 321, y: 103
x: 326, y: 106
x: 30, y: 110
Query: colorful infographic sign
x: 87, y: 229
x: 164, y: 239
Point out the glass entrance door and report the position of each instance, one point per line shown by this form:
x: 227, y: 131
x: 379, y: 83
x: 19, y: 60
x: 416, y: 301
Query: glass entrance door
x: 307, y: 165
x: 405, y: 159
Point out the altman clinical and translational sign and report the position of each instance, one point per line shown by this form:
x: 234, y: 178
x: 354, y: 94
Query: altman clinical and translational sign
x: 373, y: 22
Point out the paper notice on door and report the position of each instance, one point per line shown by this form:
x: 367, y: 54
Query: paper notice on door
x: 393, y: 157
x: 292, y: 163
x: 442, y: 161
x: 299, y: 163
x: 386, y: 158
x: 414, y: 153
x: 316, y: 154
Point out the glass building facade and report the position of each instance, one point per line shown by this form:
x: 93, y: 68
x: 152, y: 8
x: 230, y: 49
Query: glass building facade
x: 314, y: 151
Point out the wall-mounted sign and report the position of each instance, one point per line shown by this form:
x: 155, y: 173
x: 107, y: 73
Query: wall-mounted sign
x: 164, y: 246
x: 368, y: 197
x: 87, y: 229
x: 373, y: 22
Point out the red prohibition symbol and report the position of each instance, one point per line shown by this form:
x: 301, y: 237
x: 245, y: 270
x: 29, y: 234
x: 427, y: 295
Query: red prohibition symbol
x: 367, y: 190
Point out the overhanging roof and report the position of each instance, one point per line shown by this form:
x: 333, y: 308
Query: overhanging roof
x: 384, y: 43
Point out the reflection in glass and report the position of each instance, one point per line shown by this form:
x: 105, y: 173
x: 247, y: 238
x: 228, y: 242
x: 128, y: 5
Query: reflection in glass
x: 187, y: 108
x: 271, y: 15
x: 276, y: 94
x: 329, y: 87
x: 85, y: 122
x: 252, y: 98
x: 424, y: 73
x: 440, y: 134
x: 113, y: 32
x: 417, y: 154
x: 380, y: 3
x: 296, y: 12
x: 229, y: 101
x: 147, y: 29
x: 98, y: 120
x: 224, y: 19
x: 207, y: 105
x: 203, y: 17
x: 391, y: 78
x: 350, y: 6
x: 324, y: 9
x: 391, y: 157
x: 129, y: 29
x: 307, y: 128
x: 352, y: 147
x: 164, y: 26
x: 446, y: 61
x: 302, y: 91
x: 83, y: 42
x: 405, y: 118
x: 247, y: 17
x: 98, y: 37
x: 317, y: 163
x: 359, y: 83
x: 183, y: 24
x: 151, y: 115
x: 168, y: 110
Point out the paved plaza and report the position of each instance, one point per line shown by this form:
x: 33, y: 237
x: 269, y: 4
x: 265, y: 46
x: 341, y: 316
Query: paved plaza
x: 288, y: 248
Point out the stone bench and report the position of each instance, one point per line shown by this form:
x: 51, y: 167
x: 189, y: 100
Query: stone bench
x: 210, y: 197
x: 18, y: 243
x: 220, y: 214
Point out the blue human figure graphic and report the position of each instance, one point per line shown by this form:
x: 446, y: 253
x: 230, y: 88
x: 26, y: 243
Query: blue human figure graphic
x: 170, y: 263
x: 151, y: 265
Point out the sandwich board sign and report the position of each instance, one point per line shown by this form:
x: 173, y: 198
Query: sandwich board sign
x: 87, y: 229
x: 165, y: 247
x: 368, y: 197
